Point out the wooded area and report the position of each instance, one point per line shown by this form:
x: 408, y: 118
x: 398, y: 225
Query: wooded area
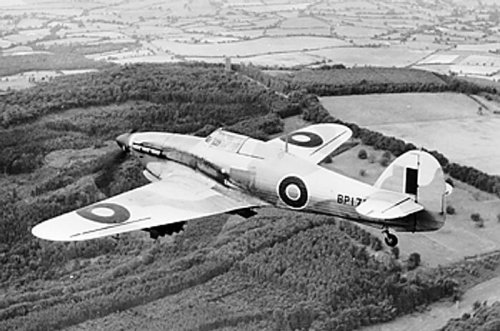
x: 484, y: 317
x: 334, y: 274
x: 65, y: 60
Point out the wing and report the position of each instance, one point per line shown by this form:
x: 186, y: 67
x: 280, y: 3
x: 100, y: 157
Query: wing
x: 388, y: 205
x: 314, y: 143
x: 177, y: 198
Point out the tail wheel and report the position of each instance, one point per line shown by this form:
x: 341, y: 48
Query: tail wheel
x: 390, y: 239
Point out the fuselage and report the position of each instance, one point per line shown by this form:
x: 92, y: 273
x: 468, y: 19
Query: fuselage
x: 268, y: 172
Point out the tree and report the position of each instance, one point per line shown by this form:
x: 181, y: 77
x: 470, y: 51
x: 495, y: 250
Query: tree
x: 385, y: 159
x: 413, y: 261
x: 477, y: 219
x: 395, y: 252
x: 362, y: 154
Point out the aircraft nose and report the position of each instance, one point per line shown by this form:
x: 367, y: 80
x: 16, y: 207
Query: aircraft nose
x: 123, y: 141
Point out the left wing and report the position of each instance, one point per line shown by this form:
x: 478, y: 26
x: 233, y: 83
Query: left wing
x: 315, y: 142
x: 174, y: 199
x: 388, y: 205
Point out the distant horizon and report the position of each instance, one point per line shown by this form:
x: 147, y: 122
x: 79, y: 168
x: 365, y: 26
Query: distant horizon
x: 12, y: 3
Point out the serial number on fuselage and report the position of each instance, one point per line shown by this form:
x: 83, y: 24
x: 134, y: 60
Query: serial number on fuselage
x: 343, y: 199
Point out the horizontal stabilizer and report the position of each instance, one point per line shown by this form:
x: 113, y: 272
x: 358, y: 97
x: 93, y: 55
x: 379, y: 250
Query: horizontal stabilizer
x: 388, y: 205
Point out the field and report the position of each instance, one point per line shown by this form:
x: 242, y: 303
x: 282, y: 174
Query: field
x: 445, y: 122
x: 464, y: 61
x: 385, y: 34
x: 287, y: 60
x: 5, y: 43
x: 439, y: 313
x: 368, y: 56
x: 248, y: 48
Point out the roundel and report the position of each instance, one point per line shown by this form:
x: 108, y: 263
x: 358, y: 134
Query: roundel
x: 105, y: 213
x: 293, y: 192
x: 304, y: 139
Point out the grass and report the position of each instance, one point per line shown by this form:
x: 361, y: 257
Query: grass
x: 458, y: 238
x: 383, y: 56
x: 249, y: 48
x: 445, y: 122
x: 378, y: 109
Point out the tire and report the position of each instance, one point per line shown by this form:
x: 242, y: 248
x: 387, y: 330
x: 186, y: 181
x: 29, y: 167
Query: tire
x: 391, y: 240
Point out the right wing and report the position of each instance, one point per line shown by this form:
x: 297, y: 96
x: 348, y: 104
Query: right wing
x: 388, y: 205
x: 174, y: 199
x: 315, y: 142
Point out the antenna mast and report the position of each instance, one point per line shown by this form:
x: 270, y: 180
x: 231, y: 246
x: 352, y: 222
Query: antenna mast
x: 286, y: 143
x: 418, y: 173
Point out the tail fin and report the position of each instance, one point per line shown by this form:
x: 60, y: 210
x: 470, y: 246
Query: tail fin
x: 419, y: 174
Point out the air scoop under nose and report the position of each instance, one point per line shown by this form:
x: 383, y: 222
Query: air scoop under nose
x: 123, y: 141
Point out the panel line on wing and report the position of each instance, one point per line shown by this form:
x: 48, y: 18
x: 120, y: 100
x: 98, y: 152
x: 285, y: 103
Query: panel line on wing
x: 329, y: 142
x: 110, y: 227
x: 396, y: 204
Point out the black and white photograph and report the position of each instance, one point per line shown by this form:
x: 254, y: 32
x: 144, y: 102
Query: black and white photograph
x: 250, y: 165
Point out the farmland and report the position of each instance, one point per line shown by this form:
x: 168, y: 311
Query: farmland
x: 372, y: 56
x: 247, y: 48
x: 226, y: 272
x: 449, y: 123
x: 296, y: 33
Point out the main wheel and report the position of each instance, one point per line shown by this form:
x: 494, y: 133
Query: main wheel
x: 391, y: 240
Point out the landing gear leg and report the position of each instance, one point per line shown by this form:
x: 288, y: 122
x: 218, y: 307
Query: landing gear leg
x: 390, y: 239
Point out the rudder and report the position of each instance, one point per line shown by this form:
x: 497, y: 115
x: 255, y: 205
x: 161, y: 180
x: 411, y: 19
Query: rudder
x: 420, y: 175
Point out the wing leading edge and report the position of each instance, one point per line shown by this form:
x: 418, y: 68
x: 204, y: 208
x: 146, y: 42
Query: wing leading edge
x: 315, y: 142
x: 163, y: 202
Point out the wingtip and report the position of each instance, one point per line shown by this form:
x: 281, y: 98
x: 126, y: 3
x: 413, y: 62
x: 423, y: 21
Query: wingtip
x: 46, y: 231
x: 40, y: 231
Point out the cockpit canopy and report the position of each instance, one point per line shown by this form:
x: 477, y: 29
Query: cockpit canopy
x: 239, y: 144
x: 225, y: 140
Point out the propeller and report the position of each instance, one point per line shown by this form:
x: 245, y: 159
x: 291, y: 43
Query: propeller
x: 123, y: 141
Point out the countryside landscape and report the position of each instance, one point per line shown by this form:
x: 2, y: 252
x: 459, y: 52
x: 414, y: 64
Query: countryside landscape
x: 402, y: 75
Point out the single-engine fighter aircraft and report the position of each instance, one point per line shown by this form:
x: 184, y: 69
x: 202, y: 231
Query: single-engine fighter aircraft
x: 193, y: 177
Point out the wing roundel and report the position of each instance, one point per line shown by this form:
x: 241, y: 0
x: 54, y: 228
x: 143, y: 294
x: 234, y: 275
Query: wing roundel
x: 105, y: 213
x: 315, y: 142
x: 303, y: 139
x: 180, y: 198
